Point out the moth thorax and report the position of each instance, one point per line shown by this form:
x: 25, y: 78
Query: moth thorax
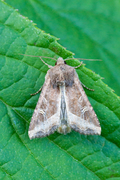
x: 61, y: 83
x: 60, y: 61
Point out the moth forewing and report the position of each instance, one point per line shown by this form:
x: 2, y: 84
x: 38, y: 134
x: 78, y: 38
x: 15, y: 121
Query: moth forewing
x: 45, y: 119
x: 63, y: 105
x: 82, y: 116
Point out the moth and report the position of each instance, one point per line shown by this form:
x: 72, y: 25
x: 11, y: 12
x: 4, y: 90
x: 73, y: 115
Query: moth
x: 63, y: 105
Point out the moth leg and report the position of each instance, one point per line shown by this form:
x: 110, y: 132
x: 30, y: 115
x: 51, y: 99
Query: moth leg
x: 37, y: 92
x: 87, y: 87
x: 45, y: 63
x: 78, y: 65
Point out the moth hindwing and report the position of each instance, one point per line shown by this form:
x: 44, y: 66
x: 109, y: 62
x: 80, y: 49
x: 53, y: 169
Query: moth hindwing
x: 63, y: 105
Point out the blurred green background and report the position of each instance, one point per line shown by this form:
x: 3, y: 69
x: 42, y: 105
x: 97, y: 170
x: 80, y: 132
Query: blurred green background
x: 90, y: 29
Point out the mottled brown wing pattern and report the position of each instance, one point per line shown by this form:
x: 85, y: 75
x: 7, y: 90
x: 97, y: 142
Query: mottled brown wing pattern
x: 63, y: 105
x: 81, y: 115
x: 45, y: 119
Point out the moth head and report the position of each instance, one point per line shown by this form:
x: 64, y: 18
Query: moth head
x: 60, y: 61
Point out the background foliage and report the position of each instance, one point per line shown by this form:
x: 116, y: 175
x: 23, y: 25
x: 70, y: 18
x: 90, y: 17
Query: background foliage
x: 88, y: 28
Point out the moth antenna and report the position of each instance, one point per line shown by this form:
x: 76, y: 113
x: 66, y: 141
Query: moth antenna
x: 84, y: 59
x: 42, y: 59
x: 39, y: 56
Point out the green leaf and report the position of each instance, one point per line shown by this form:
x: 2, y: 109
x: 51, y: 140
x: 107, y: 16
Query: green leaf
x: 90, y: 29
x: 73, y: 156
